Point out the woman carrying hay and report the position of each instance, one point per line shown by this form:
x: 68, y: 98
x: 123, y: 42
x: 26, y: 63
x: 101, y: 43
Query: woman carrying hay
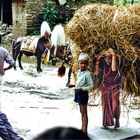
x: 108, y: 65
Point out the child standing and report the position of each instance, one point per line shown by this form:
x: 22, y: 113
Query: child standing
x: 84, y: 83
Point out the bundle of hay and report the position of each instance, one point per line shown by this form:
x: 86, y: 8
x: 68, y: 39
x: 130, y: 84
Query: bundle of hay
x: 96, y: 27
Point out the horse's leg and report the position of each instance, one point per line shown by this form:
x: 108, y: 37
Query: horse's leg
x: 19, y: 60
x: 0, y: 38
x: 16, y: 50
x: 39, y: 63
x: 69, y: 76
x: 15, y: 58
x: 70, y: 72
x: 14, y: 53
x: 52, y: 57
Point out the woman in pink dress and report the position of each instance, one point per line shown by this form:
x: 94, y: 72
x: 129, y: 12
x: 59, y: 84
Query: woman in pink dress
x: 108, y: 65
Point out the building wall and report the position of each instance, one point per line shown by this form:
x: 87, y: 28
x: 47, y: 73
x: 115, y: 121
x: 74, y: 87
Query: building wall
x: 19, y: 18
x: 28, y: 16
x: 26, y: 13
x: 34, y: 16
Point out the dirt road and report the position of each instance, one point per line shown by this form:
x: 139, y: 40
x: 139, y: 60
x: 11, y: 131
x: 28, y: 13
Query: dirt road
x: 34, y: 102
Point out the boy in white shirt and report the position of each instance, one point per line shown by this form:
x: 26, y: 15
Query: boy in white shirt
x: 84, y: 84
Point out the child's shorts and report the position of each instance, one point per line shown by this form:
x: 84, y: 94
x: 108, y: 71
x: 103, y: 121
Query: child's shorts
x: 81, y: 97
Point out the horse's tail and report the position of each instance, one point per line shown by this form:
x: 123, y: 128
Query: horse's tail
x: 61, y: 70
x: 13, y: 48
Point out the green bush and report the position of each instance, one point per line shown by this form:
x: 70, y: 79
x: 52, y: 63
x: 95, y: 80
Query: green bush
x: 137, y: 119
x: 51, y: 15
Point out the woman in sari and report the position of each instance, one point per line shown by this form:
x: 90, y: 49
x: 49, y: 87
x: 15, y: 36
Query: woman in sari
x: 108, y: 65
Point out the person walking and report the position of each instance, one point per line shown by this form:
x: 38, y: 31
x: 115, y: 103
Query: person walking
x: 110, y: 84
x: 6, y: 130
x: 84, y: 83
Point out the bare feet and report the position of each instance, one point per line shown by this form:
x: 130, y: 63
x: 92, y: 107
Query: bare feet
x: 117, y: 124
x: 104, y: 127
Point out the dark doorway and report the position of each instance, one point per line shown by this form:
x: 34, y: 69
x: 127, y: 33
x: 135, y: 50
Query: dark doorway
x: 6, y: 11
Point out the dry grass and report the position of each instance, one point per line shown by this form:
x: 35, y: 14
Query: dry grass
x: 96, y: 27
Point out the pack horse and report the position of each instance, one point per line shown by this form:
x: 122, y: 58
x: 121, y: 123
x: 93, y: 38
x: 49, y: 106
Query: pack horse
x: 59, y: 48
x: 49, y: 44
x: 32, y: 46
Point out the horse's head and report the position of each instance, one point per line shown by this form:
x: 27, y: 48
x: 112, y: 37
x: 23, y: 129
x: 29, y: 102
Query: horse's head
x: 67, y: 55
x: 62, y: 53
x: 66, y: 59
x: 47, y: 35
x: 57, y: 43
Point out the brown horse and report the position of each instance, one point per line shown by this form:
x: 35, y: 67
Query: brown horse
x: 38, y: 46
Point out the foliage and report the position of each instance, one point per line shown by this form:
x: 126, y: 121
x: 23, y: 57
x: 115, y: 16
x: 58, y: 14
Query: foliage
x: 51, y: 15
x: 124, y: 2
x: 29, y: 60
x: 137, y: 119
x: 35, y: 32
x: 120, y: 2
x: 54, y: 15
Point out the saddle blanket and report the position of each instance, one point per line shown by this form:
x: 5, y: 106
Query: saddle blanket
x: 29, y: 43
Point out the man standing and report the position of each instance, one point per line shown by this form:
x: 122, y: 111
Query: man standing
x: 6, y: 130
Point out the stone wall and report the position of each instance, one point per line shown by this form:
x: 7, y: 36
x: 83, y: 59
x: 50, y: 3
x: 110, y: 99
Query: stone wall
x: 19, y: 18
x: 34, y: 16
x: 26, y: 13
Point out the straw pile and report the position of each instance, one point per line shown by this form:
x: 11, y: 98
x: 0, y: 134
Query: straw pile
x: 96, y: 27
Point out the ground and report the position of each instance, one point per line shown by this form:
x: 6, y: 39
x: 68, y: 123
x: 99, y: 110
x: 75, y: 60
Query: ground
x: 35, y: 102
